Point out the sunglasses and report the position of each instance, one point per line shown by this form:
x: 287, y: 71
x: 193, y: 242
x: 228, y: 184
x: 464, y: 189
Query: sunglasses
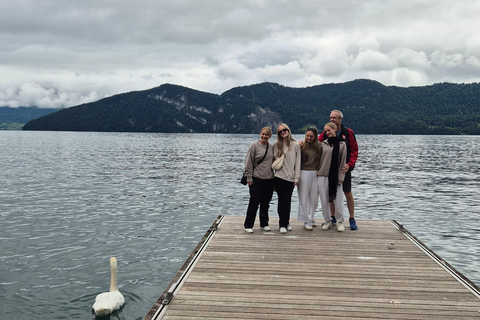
x: 283, y: 130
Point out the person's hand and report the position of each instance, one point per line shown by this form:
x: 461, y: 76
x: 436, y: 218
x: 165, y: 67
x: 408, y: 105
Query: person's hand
x: 345, y: 168
x: 295, y: 183
x: 250, y: 183
x: 300, y: 142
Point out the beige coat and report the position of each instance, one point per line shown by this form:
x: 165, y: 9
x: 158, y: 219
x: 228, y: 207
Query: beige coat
x: 326, y: 158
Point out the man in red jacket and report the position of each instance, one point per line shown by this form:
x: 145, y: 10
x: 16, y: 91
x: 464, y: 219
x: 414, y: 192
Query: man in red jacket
x: 346, y: 134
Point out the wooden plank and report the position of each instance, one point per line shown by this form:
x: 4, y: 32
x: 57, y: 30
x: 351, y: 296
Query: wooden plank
x: 374, y: 272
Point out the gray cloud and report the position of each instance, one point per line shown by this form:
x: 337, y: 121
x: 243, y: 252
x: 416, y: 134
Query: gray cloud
x: 56, y: 53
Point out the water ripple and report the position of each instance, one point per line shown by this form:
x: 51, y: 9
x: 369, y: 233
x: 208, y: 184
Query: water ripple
x: 70, y: 201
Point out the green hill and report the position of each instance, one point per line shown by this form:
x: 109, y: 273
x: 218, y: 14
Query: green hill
x: 368, y: 106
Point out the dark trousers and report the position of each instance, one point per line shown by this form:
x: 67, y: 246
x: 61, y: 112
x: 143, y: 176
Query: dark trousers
x: 260, y: 194
x: 284, y: 191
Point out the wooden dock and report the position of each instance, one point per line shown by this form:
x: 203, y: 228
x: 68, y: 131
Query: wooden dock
x: 380, y: 271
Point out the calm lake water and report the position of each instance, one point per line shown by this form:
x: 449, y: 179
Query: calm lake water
x: 69, y: 201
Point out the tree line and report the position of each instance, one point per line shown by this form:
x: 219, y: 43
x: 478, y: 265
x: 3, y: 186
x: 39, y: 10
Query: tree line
x: 368, y: 107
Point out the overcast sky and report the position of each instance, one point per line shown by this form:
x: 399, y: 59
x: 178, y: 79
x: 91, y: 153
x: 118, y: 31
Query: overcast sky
x: 56, y: 53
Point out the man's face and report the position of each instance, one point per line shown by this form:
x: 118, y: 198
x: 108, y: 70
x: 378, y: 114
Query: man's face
x: 335, y: 118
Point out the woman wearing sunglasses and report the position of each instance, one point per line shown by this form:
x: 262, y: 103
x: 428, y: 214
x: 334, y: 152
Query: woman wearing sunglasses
x: 286, y: 177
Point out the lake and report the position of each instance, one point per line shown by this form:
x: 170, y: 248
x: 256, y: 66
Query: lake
x: 71, y: 200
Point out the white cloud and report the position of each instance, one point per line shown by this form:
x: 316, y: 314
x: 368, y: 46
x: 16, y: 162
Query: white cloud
x: 370, y: 60
x: 473, y: 61
x: 232, y: 69
x: 33, y: 94
x: 409, y: 58
x: 407, y: 77
x: 291, y: 71
x: 444, y: 59
x: 62, y: 53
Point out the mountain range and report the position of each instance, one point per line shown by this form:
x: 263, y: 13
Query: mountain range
x: 368, y: 107
x: 15, y: 118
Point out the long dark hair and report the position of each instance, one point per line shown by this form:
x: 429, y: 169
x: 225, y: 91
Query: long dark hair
x: 307, y: 146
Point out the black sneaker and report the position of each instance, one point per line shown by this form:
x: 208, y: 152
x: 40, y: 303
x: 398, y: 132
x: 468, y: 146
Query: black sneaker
x: 334, y: 222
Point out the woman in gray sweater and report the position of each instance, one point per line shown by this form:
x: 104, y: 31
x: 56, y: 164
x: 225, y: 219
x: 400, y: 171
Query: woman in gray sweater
x: 259, y: 173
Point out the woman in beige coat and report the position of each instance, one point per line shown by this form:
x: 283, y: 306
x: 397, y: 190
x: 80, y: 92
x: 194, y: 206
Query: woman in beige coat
x: 330, y: 176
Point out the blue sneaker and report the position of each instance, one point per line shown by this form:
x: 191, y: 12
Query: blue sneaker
x: 353, y: 224
x: 334, y: 222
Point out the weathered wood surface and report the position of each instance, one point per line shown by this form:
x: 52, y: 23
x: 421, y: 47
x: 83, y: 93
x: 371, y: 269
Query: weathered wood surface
x: 372, y: 273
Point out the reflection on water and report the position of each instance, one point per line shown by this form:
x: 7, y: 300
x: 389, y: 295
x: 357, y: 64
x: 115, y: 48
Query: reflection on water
x: 69, y: 201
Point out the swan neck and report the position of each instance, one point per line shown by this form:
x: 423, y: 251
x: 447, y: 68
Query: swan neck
x: 113, y: 277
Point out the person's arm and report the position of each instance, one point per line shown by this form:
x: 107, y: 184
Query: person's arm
x: 321, y: 137
x: 249, y: 161
x: 353, y: 146
x: 298, y: 163
x: 342, y: 162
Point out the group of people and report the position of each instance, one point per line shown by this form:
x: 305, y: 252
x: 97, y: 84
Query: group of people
x: 320, y: 166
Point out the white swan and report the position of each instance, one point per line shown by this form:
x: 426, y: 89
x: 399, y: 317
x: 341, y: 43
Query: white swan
x: 107, y: 302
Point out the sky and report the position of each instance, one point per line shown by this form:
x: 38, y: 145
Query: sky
x: 61, y: 53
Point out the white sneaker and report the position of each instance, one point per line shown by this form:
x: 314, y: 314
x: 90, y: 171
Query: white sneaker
x: 327, y: 225
x: 283, y: 230
x: 340, y: 227
x: 307, y: 226
x: 249, y: 230
x: 266, y: 228
x: 289, y: 228
x: 313, y: 223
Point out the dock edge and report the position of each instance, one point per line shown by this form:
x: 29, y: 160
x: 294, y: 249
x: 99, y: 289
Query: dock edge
x: 467, y: 283
x: 161, y: 304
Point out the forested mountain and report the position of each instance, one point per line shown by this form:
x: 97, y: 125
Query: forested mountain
x: 368, y: 107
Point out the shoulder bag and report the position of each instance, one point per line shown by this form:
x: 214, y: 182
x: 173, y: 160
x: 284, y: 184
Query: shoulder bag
x: 278, y: 163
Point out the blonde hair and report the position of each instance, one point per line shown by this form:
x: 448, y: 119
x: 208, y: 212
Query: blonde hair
x: 332, y: 125
x: 268, y: 129
x: 279, y: 141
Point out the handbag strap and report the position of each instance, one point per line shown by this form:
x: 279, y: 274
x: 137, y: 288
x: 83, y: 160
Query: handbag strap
x: 263, y: 156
